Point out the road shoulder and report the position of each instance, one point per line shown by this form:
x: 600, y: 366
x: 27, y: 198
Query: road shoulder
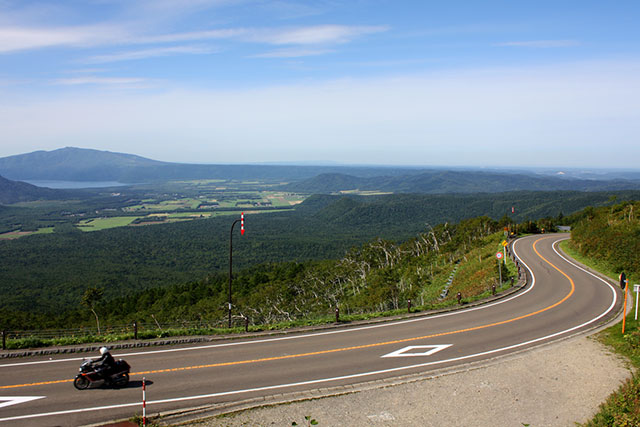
x: 553, y: 385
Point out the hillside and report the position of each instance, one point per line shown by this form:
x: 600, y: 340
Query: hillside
x: 440, y: 182
x: 14, y: 192
x: 612, y: 236
x: 76, y: 164
x: 46, y: 272
x: 72, y: 164
x: 79, y: 164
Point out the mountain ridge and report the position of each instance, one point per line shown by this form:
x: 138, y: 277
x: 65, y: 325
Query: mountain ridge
x: 81, y: 164
x: 447, y: 182
x: 16, y: 191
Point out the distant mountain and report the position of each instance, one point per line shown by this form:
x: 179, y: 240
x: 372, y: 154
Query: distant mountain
x: 79, y: 164
x: 72, y: 164
x: 14, y: 192
x: 443, y: 182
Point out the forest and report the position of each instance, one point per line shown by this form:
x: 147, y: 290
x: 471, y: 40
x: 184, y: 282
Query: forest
x: 377, y: 276
x: 610, y: 235
x: 47, y: 274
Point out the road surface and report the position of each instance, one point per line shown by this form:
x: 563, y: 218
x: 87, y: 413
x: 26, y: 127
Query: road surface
x: 561, y: 299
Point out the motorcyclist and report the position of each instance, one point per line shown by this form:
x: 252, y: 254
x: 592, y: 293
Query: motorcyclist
x: 105, y: 364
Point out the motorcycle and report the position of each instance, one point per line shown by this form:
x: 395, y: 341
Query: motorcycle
x: 90, y: 374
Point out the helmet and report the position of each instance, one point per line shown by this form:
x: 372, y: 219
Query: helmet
x: 104, y: 350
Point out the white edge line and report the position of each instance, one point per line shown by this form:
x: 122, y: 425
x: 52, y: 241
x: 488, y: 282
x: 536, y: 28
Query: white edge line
x: 266, y: 340
x: 352, y: 376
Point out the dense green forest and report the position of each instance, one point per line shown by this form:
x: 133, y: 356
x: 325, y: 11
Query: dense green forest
x: 377, y: 276
x: 611, y: 235
x: 46, y: 273
x: 446, y: 181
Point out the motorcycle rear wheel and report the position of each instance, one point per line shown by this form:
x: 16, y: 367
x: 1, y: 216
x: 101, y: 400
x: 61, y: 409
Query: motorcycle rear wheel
x: 81, y: 382
x: 122, y: 380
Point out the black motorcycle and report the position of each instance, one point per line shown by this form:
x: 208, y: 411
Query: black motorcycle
x: 91, y: 374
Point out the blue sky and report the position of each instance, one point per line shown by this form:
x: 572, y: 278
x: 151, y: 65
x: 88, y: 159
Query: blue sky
x: 455, y: 83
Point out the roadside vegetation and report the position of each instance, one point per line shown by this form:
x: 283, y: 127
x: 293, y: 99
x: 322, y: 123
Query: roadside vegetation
x: 376, y: 279
x: 45, y: 274
x: 607, y: 240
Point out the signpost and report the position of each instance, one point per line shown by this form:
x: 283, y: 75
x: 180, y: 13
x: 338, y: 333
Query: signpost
x: 499, y: 256
x: 624, y: 283
x: 636, y: 289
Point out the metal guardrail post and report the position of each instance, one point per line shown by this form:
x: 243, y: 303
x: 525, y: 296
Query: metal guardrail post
x: 135, y: 330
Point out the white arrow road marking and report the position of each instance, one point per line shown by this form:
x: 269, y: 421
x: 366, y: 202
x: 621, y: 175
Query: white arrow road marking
x: 14, y: 400
x: 408, y: 351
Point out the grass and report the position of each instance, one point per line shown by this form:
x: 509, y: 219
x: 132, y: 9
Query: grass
x: 18, y: 234
x: 96, y: 224
x: 622, y: 408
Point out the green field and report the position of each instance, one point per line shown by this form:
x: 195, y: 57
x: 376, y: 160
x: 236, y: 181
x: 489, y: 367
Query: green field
x: 219, y: 199
x: 164, y: 203
x: 17, y: 234
x: 95, y: 224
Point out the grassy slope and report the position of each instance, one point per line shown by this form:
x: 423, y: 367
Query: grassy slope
x: 622, y: 408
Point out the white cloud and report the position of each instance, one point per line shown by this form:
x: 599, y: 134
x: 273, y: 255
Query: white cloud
x: 24, y: 38
x: 587, y: 113
x: 14, y: 39
x: 191, y: 36
x: 150, y: 53
x: 313, y: 35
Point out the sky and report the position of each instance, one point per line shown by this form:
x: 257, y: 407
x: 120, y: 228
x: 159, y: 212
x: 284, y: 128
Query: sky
x: 385, y: 82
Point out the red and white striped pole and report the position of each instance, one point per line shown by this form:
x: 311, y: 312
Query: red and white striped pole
x: 242, y: 224
x: 144, y: 401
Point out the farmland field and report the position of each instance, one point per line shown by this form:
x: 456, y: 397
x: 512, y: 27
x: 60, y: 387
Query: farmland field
x: 18, y: 234
x: 161, y: 203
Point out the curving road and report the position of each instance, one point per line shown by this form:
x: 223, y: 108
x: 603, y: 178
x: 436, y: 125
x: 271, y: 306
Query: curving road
x: 561, y: 299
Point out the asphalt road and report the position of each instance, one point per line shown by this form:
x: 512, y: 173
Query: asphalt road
x: 560, y: 300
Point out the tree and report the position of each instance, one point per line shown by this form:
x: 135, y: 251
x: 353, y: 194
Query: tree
x: 91, y: 297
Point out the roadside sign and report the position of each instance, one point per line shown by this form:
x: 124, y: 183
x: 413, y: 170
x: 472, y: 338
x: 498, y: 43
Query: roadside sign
x: 504, y: 243
x: 499, y: 255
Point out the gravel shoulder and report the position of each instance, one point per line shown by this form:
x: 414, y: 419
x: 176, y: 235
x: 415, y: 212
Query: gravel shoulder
x: 554, y: 385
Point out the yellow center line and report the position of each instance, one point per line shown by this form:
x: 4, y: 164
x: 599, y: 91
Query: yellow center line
x: 357, y: 347
x: 34, y: 384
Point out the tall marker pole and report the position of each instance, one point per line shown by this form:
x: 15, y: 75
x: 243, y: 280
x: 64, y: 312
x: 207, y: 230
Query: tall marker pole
x: 241, y: 221
x: 144, y: 401
x: 636, y: 289
x: 624, y: 313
